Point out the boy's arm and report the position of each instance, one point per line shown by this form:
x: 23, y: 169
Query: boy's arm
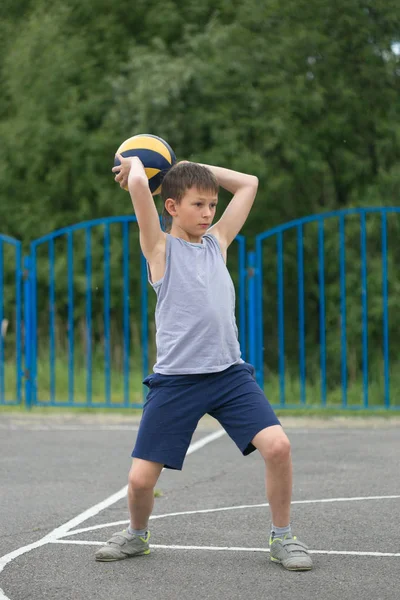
x: 131, y: 173
x: 244, y: 188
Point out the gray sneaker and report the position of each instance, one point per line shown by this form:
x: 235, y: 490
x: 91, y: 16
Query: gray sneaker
x: 123, y: 545
x: 290, y: 553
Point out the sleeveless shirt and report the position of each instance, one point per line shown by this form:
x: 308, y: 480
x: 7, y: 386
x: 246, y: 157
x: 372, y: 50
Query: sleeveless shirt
x: 196, y: 329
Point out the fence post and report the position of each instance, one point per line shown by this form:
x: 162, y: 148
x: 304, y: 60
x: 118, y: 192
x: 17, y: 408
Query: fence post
x: 27, y: 274
x: 251, y: 311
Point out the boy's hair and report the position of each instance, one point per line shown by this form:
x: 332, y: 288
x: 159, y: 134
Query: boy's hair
x: 179, y: 179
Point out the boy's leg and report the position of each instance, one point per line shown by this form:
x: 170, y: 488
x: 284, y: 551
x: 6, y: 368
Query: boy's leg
x: 274, y: 447
x: 169, y: 418
x: 247, y: 416
x: 285, y: 548
x: 143, y: 477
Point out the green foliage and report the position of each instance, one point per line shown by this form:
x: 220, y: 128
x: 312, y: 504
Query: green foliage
x: 303, y: 94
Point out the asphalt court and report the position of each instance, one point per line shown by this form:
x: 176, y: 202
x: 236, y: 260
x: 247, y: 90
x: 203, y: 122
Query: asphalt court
x: 62, y: 495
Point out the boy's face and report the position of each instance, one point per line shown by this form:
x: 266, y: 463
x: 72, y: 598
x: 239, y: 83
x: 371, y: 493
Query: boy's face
x: 196, y: 211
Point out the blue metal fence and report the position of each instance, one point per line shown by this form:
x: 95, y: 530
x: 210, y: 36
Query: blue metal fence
x: 98, y: 333
x: 327, y: 258
x: 328, y: 264
x: 85, y: 336
x: 10, y: 321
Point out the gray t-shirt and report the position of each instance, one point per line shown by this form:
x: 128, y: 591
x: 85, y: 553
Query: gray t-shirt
x: 196, y: 329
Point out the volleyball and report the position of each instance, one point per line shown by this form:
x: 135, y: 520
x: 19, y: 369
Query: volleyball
x: 156, y: 155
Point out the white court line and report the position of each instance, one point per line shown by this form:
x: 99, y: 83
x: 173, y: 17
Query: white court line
x: 226, y: 508
x: 70, y: 428
x: 235, y: 549
x: 90, y: 512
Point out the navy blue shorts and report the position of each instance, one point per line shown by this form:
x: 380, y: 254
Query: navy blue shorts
x: 176, y: 403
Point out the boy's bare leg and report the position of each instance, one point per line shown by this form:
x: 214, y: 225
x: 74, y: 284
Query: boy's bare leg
x: 274, y: 447
x: 134, y: 541
x: 143, y: 477
x: 285, y: 549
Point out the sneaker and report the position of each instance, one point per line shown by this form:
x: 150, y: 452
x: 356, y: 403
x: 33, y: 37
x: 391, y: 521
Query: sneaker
x: 123, y: 545
x: 290, y: 553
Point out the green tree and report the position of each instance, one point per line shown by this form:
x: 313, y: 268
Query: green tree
x: 303, y: 94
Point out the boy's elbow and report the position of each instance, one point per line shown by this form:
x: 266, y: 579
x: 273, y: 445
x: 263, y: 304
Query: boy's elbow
x: 254, y: 181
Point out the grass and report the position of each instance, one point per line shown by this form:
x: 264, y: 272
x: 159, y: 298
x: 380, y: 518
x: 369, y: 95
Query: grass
x: 334, y: 395
x: 132, y: 404
x: 117, y: 399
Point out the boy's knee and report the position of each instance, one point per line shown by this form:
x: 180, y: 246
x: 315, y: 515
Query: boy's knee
x: 143, y: 476
x: 140, y: 482
x: 273, y: 444
x: 279, y: 450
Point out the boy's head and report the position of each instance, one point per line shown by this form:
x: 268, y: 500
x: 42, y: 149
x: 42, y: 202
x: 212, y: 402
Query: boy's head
x: 190, y: 192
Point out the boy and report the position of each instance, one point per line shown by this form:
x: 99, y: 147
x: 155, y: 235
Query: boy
x: 199, y: 369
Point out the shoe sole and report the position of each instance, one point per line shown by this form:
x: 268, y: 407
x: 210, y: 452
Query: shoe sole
x: 145, y: 553
x: 279, y: 562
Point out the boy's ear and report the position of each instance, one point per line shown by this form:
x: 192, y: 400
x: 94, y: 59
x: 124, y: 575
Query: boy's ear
x: 170, y: 206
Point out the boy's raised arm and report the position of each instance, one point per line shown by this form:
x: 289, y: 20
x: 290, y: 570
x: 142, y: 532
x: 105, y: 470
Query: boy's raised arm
x: 244, y: 188
x: 131, y: 173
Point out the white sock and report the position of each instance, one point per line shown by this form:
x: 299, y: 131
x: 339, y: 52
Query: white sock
x: 140, y: 532
x: 280, y: 532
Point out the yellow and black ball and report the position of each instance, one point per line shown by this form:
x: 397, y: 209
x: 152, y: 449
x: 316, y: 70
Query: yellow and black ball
x: 156, y: 155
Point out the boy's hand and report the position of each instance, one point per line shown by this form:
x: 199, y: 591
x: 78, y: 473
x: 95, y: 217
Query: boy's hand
x: 122, y: 170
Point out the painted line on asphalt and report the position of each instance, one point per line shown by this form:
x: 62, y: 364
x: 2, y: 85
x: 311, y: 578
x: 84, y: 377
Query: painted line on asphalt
x: 228, y: 508
x: 237, y: 549
x: 71, y: 428
x: 61, y: 531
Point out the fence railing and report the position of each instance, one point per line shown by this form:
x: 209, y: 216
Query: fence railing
x: 316, y: 309
x: 336, y: 269
x: 82, y: 285
x: 10, y: 321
